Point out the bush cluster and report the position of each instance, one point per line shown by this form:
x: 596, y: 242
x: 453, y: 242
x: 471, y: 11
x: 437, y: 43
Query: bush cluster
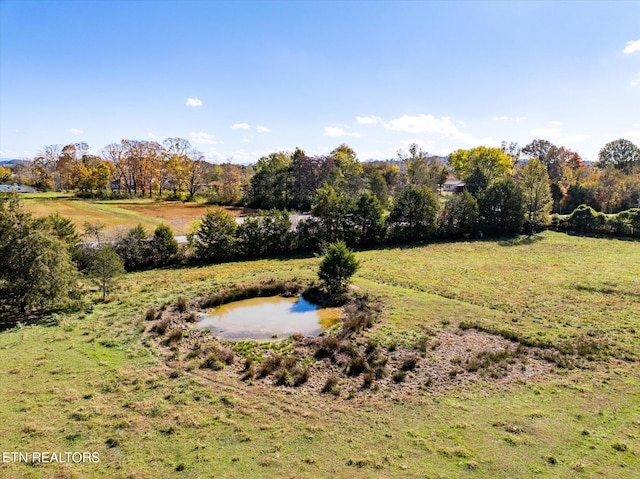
x: 585, y: 219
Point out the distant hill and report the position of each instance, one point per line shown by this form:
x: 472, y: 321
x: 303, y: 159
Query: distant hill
x: 10, y: 162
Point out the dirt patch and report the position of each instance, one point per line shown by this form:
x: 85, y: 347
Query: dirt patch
x: 179, y: 215
x: 345, y: 362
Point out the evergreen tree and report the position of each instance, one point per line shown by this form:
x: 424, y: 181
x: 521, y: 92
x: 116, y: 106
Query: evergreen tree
x: 215, y: 238
x: 337, y: 267
x: 367, y: 219
x: 413, y: 217
x: 36, y: 271
x: 501, y: 208
x: 105, y: 267
x: 134, y: 249
x: 163, y: 244
x: 460, y: 216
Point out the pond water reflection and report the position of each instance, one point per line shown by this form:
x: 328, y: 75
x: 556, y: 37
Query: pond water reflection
x: 262, y: 318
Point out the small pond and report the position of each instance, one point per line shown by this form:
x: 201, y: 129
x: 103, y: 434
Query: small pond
x: 262, y: 318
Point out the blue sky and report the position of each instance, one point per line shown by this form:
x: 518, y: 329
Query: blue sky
x: 244, y: 79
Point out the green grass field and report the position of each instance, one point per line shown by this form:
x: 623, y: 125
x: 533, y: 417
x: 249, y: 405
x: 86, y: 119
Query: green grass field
x: 92, y: 381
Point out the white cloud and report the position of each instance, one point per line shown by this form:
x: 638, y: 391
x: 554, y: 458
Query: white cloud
x: 368, y: 120
x: 244, y: 140
x: 555, y: 123
x: 636, y: 80
x: 546, y: 132
x: 202, y: 138
x: 424, y: 124
x: 337, y: 131
x: 632, y: 46
x: 517, y: 119
x: 240, y: 126
x: 194, y: 101
x: 633, y: 134
x: 574, y: 138
x: 263, y: 129
x: 153, y: 136
x: 440, y: 126
x: 75, y: 131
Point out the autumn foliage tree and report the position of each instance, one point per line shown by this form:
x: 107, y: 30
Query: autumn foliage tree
x: 536, y: 192
x: 480, y: 166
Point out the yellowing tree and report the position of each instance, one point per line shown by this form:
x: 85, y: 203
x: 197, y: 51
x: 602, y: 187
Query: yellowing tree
x: 536, y: 192
x: 480, y: 166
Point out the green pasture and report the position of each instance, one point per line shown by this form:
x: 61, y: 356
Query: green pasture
x: 91, y: 381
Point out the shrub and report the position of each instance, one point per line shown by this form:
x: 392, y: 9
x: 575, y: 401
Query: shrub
x: 358, y: 321
x: 331, y: 385
x: 174, y: 336
x: 583, y: 219
x: 160, y: 327
x: 300, y: 375
x: 380, y: 371
x: 357, y: 366
x: 181, y: 304
x: 367, y: 381
x: 269, y: 365
x: 163, y: 245
x: 284, y: 378
x: 326, y: 346
x: 399, y: 376
x: 409, y: 363
x: 212, y: 362
x: 337, y: 267
x: 151, y: 314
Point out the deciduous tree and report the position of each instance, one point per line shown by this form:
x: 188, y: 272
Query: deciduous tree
x: 534, y: 182
x: 622, y: 154
x: 479, y: 166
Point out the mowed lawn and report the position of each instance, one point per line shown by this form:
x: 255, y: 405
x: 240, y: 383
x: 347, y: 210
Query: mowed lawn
x: 121, y: 215
x: 91, y: 381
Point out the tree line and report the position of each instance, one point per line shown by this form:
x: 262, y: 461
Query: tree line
x: 174, y: 169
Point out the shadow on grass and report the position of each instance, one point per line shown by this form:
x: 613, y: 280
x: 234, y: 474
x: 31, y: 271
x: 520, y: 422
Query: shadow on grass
x: 600, y: 236
x: 10, y: 321
x: 522, y: 240
x: 606, y: 290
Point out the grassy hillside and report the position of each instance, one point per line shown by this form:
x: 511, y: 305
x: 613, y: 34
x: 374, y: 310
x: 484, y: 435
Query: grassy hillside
x: 92, y: 381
